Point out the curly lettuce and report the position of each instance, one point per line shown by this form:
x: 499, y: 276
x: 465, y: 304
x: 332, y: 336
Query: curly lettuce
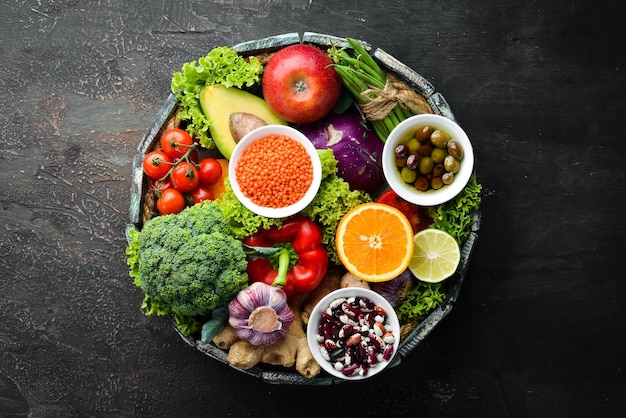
x: 333, y: 200
x: 241, y: 220
x: 133, y: 253
x: 455, y: 216
x: 220, y: 66
x: 420, y: 301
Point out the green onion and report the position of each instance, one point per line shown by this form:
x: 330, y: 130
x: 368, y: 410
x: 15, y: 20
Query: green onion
x: 361, y: 76
x: 365, y: 56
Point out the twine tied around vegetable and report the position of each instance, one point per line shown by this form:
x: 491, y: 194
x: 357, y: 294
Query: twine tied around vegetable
x: 381, y: 102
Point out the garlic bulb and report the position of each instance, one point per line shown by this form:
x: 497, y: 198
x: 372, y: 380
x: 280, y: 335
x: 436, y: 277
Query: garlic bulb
x: 260, y: 314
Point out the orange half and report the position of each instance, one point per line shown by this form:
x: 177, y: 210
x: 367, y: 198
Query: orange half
x: 375, y: 242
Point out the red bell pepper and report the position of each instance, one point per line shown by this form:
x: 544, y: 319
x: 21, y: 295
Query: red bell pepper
x: 301, y: 264
x: 417, y: 215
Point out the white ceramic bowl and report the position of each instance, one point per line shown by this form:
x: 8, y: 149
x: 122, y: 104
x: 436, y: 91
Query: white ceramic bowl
x: 263, y: 132
x: 315, y: 318
x: 431, y: 197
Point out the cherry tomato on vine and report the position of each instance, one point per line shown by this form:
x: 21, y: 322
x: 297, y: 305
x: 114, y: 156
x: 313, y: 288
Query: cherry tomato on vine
x: 176, y: 142
x: 201, y: 193
x: 162, y: 185
x: 185, y: 177
x: 193, y: 156
x: 170, y: 201
x: 157, y: 164
x: 210, y: 171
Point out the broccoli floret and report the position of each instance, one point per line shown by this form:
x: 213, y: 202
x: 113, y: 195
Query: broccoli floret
x: 188, y: 261
x: 197, y: 219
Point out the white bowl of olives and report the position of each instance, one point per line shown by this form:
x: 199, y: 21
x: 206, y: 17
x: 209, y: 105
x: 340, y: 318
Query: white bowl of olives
x: 428, y: 159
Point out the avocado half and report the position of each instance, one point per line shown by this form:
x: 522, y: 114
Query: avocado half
x: 220, y: 103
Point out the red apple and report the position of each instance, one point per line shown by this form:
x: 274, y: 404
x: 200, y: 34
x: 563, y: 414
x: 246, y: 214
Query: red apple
x: 300, y: 83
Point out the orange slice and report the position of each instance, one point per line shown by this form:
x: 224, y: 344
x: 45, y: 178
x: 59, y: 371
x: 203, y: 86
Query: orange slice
x: 375, y: 242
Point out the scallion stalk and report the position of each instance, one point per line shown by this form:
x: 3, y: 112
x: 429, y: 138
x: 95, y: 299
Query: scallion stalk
x: 366, y: 57
x: 360, y: 73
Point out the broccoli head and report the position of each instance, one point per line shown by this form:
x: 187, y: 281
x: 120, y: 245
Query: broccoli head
x: 189, y: 262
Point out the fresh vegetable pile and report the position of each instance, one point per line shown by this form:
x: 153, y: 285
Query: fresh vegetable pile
x: 247, y: 283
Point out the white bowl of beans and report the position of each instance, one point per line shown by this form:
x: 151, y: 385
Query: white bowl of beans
x: 428, y: 159
x: 353, y: 333
x: 275, y: 171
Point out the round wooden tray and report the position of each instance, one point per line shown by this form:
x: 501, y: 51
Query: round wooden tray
x: 142, y: 199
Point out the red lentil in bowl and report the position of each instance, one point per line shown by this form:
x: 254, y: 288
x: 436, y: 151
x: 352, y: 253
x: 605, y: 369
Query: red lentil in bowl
x: 275, y: 171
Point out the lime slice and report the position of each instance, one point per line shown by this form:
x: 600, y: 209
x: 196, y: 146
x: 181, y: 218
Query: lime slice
x: 435, y: 257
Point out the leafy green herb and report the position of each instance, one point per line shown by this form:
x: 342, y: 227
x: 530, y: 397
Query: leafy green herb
x: 455, y: 216
x: 420, y: 301
x: 219, y: 316
x: 220, y: 66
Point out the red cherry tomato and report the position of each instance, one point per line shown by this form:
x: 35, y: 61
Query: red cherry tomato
x: 157, y: 164
x: 185, y: 177
x: 162, y: 185
x: 201, y: 193
x: 210, y: 171
x: 176, y: 142
x: 170, y: 201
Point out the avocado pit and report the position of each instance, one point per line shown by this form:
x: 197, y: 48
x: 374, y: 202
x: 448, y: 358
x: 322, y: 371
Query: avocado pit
x: 241, y: 123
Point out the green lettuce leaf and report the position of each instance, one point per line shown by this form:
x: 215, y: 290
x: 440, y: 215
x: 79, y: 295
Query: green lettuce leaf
x: 133, y: 252
x: 455, y: 216
x: 334, y: 199
x: 220, y: 66
x: 420, y: 301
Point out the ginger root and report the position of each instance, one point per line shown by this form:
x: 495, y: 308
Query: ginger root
x: 244, y: 355
x: 282, y: 353
x: 226, y: 337
x: 306, y: 365
x: 350, y: 280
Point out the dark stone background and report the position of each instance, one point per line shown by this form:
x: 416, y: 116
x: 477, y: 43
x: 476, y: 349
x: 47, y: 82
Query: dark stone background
x: 539, y: 329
